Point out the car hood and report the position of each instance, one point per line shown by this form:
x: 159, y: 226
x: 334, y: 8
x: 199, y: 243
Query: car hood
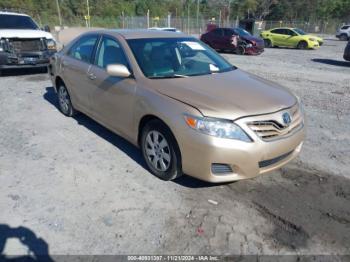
x: 229, y: 95
x: 24, y: 33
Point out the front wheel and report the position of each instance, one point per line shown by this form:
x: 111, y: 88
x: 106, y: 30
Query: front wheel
x: 64, y: 101
x: 302, y: 45
x: 160, y: 151
x: 344, y: 37
x: 240, y: 50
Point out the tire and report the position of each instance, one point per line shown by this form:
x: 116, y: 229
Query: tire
x: 302, y: 45
x: 240, y: 50
x: 64, y: 101
x: 162, y: 158
x: 267, y: 43
x: 343, y: 37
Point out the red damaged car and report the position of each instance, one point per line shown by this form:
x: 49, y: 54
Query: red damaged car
x: 235, y: 40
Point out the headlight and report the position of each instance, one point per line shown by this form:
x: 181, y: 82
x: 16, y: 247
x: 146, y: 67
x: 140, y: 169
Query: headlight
x: 217, y: 127
x: 2, y: 43
x: 249, y: 45
x: 312, y: 39
x: 51, y: 44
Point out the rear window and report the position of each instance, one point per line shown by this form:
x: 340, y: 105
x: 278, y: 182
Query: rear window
x: 17, y: 22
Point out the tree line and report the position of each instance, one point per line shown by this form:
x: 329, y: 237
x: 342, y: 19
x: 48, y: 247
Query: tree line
x: 291, y: 10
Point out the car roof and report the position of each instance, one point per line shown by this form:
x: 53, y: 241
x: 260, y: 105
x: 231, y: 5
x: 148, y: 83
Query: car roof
x: 141, y: 33
x: 11, y: 13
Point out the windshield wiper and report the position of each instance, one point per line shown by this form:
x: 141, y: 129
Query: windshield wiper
x: 168, y: 76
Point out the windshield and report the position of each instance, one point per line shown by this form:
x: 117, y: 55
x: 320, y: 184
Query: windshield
x: 299, y: 31
x: 16, y: 22
x: 241, y: 31
x: 176, y: 57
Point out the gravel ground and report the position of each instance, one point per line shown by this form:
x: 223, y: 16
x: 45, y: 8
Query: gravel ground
x: 83, y: 190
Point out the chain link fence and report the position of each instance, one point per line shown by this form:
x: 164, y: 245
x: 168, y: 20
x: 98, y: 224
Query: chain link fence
x: 189, y: 25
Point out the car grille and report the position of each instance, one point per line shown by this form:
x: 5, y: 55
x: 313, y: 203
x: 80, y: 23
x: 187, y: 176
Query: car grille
x: 272, y: 129
x: 273, y: 161
x: 27, y: 45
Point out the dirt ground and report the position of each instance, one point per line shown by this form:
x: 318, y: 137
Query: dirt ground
x: 82, y: 190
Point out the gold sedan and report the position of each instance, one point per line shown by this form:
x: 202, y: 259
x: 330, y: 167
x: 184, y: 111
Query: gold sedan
x: 187, y: 108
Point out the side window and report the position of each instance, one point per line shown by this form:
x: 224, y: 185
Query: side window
x: 84, y: 48
x: 345, y: 27
x: 228, y: 32
x: 289, y: 32
x: 110, y: 52
x: 278, y: 31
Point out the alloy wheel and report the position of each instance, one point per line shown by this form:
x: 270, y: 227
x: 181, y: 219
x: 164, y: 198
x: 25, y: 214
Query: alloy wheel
x: 157, y: 151
x: 63, y: 99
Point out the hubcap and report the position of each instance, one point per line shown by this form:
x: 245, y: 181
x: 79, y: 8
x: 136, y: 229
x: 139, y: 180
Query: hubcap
x: 63, y: 99
x: 157, y: 151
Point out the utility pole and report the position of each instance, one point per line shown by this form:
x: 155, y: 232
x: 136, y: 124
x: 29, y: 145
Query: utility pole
x: 88, y: 13
x: 188, y: 18
x: 229, y: 13
x: 59, y: 13
x: 198, y: 16
x: 147, y: 18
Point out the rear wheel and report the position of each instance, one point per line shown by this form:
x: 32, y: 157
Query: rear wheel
x: 344, y: 37
x: 160, y: 151
x: 268, y: 43
x: 302, y: 45
x: 64, y: 101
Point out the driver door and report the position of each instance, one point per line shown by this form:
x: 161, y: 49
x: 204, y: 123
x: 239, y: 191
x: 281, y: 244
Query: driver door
x: 292, y: 39
x: 113, y: 97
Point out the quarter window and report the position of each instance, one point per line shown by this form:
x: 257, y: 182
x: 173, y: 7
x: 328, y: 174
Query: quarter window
x: 84, y: 48
x: 110, y: 52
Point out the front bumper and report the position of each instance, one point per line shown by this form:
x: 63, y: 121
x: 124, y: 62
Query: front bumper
x: 9, y: 60
x: 254, y: 50
x: 246, y: 160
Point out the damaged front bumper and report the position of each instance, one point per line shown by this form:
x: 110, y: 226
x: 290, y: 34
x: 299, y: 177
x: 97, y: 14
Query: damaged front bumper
x: 10, y: 60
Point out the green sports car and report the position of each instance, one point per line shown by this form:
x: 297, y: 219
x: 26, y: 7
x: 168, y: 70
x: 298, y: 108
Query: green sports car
x: 290, y: 37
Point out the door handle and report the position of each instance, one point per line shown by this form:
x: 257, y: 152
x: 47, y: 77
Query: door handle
x: 92, y: 76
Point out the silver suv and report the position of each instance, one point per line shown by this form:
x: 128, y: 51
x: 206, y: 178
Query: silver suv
x: 343, y: 33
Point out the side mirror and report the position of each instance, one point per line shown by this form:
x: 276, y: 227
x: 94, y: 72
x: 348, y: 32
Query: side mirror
x: 47, y: 28
x: 118, y: 70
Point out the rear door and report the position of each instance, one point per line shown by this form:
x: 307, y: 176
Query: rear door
x: 75, y: 67
x: 112, y: 97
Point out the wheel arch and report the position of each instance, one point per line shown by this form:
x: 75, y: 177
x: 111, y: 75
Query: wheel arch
x: 58, y: 81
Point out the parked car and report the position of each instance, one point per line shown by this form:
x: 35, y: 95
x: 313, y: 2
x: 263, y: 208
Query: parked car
x: 347, y: 52
x: 23, y: 43
x: 169, y: 29
x: 187, y: 108
x: 236, y: 40
x: 290, y: 37
x: 343, y: 33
